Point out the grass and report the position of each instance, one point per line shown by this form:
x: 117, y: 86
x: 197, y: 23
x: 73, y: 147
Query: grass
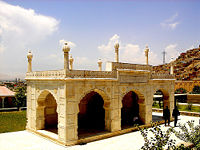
x: 12, y: 121
x: 182, y: 107
x: 185, y: 108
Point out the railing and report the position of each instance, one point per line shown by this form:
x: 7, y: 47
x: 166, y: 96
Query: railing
x: 118, y: 65
x: 84, y: 74
x: 46, y: 74
x: 162, y: 76
x: 91, y: 74
x: 71, y: 74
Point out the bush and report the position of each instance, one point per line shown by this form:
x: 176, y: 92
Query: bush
x: 159, y: 140
x: 191, y: 134
x: 196, y: 90
x: 180, y: 91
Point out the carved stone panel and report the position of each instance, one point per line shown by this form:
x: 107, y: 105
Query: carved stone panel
x: 132, y: 77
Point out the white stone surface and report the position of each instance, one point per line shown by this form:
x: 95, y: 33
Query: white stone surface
x: 24, y: 140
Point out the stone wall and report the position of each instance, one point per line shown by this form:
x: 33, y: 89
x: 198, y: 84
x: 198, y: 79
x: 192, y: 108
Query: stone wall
x: 193, y: 98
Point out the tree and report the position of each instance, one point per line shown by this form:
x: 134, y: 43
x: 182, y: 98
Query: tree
x: 196, y: 90
x: 20, y: 97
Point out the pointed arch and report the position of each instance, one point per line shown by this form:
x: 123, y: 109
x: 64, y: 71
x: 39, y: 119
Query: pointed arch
x: 93, y: 112
x: 133, y: 108
x: 46, y: 112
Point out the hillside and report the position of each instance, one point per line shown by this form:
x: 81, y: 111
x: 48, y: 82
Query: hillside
x: 186, y: 66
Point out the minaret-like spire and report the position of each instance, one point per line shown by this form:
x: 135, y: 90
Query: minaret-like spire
x: 30, y: 57
x: 100, y: 64
x: 66, y: 50
x: 116, y: 52
x: 71, y: 60
x: 147, y: 55
x: 171, y: 66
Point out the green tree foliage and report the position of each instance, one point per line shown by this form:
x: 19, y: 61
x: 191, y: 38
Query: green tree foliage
x: 159, y: 140
x: 191, y: 134
x: 196, y: 90
x: 20, y: 97
x: 180, y: 91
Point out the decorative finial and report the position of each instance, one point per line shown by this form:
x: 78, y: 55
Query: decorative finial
x: 99, y: 61
x: 116, y: 46
x: 147, y: 54
x: 146, y: 49
x: 100, y: 64
x: 29, y: 56
x: 116, y: 52
x: 66, y: 48
x: 71, y: 60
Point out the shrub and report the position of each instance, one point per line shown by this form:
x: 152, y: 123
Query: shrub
x: 159, y: 140
x: 180, y: 91
x: 191, y: 134
x: 196, y: 90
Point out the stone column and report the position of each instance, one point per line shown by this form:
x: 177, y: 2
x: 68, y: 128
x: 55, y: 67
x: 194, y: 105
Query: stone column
x: 116, y: 52
x: 147, y: 55
x: 100, y: 64
x: 29, y: 56
x: 71, y: 60
x: 66, y: 50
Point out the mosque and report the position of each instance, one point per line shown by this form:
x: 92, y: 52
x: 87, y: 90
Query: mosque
x: 69, y: 105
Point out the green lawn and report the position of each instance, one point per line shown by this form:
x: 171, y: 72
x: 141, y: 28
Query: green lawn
x: 182, y: 107
x: 12, y: 121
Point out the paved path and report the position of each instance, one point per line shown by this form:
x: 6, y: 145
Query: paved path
x: 24, y: 140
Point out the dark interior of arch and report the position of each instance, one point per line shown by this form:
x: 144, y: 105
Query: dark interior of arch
x: 50, y: 113
x: 130, y: 110
x: 91, y: 117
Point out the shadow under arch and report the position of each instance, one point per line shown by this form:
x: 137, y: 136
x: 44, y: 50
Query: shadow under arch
x: 46, y: 112
x: 93, y: 113
x: 133, y: 109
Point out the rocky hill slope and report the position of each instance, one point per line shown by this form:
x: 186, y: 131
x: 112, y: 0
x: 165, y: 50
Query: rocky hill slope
x: 186, y: 66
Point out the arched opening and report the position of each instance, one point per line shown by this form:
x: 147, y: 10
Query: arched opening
x: 130, y: 114
x: 50, y: 114
x: 91, y: 117
x: 47, y: 112
x: 160, y: 101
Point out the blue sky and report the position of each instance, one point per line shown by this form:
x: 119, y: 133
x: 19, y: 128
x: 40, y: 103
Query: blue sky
x: 92, y: 28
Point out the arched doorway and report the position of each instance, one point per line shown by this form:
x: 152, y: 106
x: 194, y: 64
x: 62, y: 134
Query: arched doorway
x: 91, y: 117
x: 130, y: 110
x: 47, y: 112
x: 161, y: 100
x: 51, y: 116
